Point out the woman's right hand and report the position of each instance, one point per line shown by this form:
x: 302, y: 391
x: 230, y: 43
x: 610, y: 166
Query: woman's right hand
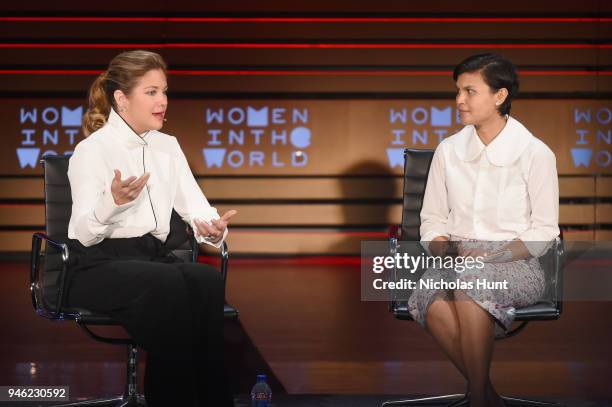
x: 438, y: 246
x: 128, y: 190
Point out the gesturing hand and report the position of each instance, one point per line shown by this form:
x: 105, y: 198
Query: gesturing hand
x: 213, y: 232
x: 128, y: 190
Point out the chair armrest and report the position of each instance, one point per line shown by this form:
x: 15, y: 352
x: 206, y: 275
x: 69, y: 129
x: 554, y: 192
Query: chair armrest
x: 36, y: 274
x: 394, y: 232
x: 559, y: 270
x: 224, y: 260
x: 224, y: 254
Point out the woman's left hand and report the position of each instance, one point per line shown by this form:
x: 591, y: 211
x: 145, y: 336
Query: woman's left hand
x: 213, y: 231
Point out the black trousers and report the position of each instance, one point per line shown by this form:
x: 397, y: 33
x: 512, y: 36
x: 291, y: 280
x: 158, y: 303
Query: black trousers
x: 172, y: 309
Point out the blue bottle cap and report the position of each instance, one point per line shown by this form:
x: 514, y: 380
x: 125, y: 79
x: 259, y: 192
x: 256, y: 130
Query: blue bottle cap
x: 262, y: 378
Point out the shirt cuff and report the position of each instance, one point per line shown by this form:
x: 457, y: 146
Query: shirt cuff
x: 108, y: 212
x: 428, y: 237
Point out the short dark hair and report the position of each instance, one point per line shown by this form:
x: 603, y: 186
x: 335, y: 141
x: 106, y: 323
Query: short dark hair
x: 497, y: 72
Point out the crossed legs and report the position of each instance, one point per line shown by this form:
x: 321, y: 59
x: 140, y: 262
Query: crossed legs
x: 466, y: 332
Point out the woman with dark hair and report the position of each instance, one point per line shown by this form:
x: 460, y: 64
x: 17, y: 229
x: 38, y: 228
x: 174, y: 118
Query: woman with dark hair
x: 492, y: 192
x: 126, y: 178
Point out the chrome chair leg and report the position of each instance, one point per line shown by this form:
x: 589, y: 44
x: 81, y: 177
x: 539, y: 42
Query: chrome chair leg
x: 453, y: 398
x: 513, y: 401
x: 131, y: 387
x: 111, y: 402
x: 130, y: 398
x: 463, y: 401
x: 135, y: 401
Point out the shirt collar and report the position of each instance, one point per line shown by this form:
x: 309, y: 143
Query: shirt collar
x: 124, y: 132
x: 503, y: 150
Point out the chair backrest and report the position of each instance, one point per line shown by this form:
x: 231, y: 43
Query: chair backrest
x: 58, y: 198
x: 58, y: 208
x: 416, y: 169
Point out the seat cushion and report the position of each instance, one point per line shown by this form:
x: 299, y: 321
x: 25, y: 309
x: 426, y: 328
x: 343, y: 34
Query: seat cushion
x: 539, y: 312
x: 88, y: 317
x: 543, y: 311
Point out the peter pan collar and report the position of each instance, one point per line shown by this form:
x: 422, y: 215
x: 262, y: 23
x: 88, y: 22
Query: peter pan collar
x: 506, y: 148
x: 124, y: 132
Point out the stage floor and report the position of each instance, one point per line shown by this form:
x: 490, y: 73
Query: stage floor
x: 306, y: 322
x: 316, y: 400
x: 375, y: 401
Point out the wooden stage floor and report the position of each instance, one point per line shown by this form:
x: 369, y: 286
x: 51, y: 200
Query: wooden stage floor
x: 308, y: 322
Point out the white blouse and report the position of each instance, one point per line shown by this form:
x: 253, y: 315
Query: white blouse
x: 96, y: 217
x: 504, y: 191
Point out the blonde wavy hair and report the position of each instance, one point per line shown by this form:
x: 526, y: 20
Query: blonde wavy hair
x: 123, y: 73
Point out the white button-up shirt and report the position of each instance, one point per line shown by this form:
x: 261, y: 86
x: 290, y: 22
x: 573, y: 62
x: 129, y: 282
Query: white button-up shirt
x: 503, y: 191
x: 96, y: 217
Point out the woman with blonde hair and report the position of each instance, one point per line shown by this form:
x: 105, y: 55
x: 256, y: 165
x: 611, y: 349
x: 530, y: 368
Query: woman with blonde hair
x: 126, y: 178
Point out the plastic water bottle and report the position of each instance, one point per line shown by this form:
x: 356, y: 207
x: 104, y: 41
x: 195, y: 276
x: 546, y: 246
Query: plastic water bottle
x: 261, y: 394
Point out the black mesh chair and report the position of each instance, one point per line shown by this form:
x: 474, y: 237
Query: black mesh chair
x: 416, y: 170
x: 50, y: 262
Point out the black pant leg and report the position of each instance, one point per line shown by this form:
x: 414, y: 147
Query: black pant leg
x: 206, y: 291
x: 147, y: 298
x: 170, y: 382
x: 151, y: 302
